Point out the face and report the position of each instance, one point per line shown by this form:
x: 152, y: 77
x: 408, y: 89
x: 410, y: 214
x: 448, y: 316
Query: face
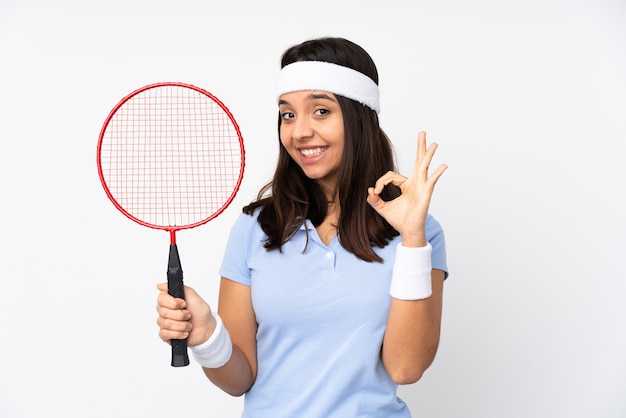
x: 312, y: 132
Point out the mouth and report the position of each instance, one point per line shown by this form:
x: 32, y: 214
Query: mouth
x: 313, y: 152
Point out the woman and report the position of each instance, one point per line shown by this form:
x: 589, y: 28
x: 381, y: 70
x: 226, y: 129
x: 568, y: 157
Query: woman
x: 332, y: 280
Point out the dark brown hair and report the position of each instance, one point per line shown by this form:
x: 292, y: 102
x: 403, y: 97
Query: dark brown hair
x: 291, y: 197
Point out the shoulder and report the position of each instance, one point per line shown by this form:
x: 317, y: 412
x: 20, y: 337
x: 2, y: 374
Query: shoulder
x: 248, y: 218
x: 246, y: 224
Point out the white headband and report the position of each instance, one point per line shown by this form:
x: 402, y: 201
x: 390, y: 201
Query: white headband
x: 325, y: 76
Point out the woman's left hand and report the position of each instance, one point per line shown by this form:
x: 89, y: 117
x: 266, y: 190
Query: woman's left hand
x: 407, y: 213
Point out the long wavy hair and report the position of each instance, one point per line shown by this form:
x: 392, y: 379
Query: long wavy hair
x: 291, y: 197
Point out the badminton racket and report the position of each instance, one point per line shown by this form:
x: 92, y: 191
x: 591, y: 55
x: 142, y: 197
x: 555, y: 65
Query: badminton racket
x: 171, y: 157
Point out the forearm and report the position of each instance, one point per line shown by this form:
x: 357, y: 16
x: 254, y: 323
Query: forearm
x: 235, y: 377
x: 412, y: 335
x: 411, y: 339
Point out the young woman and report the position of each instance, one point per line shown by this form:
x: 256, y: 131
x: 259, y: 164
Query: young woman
x: 332, y: 280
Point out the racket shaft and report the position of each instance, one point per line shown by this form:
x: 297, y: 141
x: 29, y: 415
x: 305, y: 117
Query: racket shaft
x: 176, y: 289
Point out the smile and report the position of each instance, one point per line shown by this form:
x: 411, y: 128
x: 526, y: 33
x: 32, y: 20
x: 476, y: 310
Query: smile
x: 312, y: 152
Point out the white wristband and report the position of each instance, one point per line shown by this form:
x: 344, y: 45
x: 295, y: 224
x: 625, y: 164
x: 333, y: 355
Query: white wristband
x: 411, y: 278
x: 215, y: 351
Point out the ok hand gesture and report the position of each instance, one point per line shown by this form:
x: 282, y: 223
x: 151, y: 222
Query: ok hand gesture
x: 407, y: 213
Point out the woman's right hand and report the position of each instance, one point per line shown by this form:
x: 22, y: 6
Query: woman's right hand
x: 188, y: 318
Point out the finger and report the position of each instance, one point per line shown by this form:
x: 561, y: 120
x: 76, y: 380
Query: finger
x: 390, y: 177
x: 427, y: 158
x: 173, y: 325
x: 421, y: 169
x: 430, y: 151
x: 374, y: 200
x: 168, y: 301
x: 189, y: 293
x: 174, y: 314
x: 168, y: 335
x: 421, y: 139
x: 434, y: 177
x: 421, y: 145
x: 419, y: 154
x: 424, y: 154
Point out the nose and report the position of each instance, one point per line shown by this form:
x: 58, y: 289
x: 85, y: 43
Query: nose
x: 302, y: 129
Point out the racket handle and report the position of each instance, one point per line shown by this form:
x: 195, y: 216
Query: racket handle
x: 176, y: 289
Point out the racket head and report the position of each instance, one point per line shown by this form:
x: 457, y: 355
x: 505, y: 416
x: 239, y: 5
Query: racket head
x: 170, y: 156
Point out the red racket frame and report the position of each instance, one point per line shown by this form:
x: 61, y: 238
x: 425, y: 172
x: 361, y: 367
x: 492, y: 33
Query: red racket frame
x: 174, y: 271
x: 172, y: 229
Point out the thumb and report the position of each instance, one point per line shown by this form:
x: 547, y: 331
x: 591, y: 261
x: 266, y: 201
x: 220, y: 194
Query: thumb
x: 191, y: 295
x: 374, y: 200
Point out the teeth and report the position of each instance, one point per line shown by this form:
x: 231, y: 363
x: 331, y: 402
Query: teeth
x: 312, y: 152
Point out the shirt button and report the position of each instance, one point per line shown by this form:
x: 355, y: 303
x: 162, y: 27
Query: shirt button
x: 329, y: 254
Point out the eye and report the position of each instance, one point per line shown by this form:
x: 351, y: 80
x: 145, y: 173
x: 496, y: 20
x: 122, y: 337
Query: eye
x: 287, y: 115
x: 322, y: 112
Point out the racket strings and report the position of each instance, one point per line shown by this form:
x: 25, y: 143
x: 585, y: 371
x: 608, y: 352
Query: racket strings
x: 171, y: 156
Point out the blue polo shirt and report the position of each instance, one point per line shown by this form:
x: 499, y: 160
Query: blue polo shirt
x: 321, y: 316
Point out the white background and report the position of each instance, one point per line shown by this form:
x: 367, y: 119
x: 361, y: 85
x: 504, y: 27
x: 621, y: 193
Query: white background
x: 527, y: 100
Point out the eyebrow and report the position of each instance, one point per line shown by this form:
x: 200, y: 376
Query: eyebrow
x: 311, y: 96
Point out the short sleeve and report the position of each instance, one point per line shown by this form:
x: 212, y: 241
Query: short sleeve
x: 435, y: 235
x: 237, y: 253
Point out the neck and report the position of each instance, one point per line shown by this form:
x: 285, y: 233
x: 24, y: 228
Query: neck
x: 333, y: 210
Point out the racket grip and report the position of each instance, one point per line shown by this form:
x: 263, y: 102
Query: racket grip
x: 176, y: 289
